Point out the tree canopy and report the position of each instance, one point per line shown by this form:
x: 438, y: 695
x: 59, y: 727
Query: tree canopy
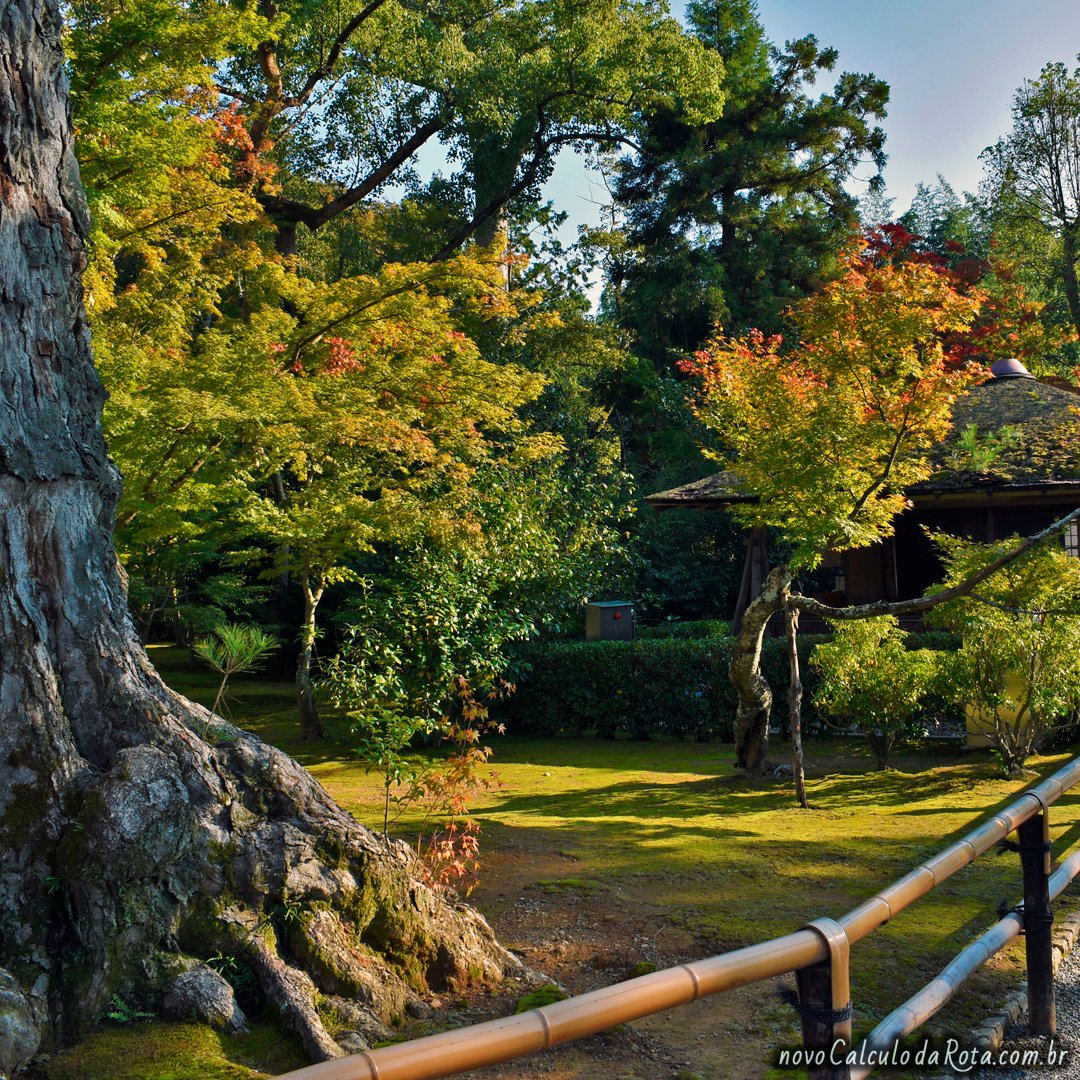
x: 1033, y: 172
x: 827, y: 434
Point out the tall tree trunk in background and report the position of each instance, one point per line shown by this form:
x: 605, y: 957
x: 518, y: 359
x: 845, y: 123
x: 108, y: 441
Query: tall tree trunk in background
x: 1069, y: 257
x: 124, y: 837
x: 310, y: 724
x: 495, y: 165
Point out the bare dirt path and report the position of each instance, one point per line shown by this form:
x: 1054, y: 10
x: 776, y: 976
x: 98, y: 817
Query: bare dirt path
x: 586, y: 936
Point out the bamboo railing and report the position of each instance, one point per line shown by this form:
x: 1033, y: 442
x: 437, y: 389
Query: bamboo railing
x: 818, y: 955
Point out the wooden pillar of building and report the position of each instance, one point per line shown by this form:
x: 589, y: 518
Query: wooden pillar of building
x: 755, y: 571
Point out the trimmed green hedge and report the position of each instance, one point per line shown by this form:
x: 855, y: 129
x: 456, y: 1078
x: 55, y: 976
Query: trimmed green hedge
x: 696, y: 628
x: 660, y: 687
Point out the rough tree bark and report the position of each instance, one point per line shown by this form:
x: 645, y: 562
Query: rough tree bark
x: 795, y: 695
x: 125, y: 839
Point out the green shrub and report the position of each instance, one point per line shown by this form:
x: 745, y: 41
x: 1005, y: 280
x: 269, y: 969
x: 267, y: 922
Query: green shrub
x: 871, y: 678
x: 1019, y: 663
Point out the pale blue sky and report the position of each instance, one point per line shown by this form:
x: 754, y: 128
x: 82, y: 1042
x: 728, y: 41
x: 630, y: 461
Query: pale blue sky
x: 953, y: 66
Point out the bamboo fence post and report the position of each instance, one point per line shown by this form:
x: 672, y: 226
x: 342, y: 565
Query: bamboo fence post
x: 1034, y: 836
x: 825, y: 1004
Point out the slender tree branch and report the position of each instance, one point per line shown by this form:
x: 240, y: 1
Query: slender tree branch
x: 327, y: 66
x: 532, y: 171
x: 314, y: 217
x: 150, y: 497
x: 239, y: 95
x: 1022, y: 611
x: 352, y: 313
x: 170, y: 217
x: 926, y: 603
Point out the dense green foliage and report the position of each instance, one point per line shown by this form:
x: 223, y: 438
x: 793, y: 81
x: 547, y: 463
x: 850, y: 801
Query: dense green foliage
x: 366, y: 406
x: 1018, y: 668
x: 697, y: 628
x: 829, y: 432
x: 1032, y: 183
x: 310, y: 384
x: 871, y: 678
x: 731, y: 219
x: 671, y: 683
x: 726, y: 219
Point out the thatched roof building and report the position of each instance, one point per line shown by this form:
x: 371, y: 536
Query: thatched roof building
x: 1009, y: 465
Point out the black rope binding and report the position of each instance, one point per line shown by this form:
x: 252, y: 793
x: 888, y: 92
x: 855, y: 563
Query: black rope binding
x: 1032, y: 919
x: 1027, y: 918
x: 816, y: 1013
x: 1011, y: 845
x: 1003, y: 909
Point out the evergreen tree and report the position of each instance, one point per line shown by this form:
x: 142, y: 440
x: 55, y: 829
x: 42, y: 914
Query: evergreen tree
x: 731, y: 219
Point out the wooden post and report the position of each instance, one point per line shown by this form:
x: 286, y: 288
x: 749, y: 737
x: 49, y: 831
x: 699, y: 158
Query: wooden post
x: 825, y: 1005
x: 744, y: 587
x: 1034, y: 837
x: 795, y: 693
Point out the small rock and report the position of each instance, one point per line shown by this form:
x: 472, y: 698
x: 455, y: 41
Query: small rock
x: 19, y: 1032
x: 783, y: 772
x: 202, y: 994
x: 361, y: 1021
x: 419, y: 1009
x: 352, y: 1042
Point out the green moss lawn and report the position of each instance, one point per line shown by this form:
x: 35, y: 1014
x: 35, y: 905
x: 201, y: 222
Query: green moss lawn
x: 731, y: 862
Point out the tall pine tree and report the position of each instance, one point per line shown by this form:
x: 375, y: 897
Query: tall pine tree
x: 732, y: 219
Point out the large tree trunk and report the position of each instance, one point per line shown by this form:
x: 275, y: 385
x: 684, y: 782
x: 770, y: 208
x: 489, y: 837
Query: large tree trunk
x: 125, y: 839
x: 755, y: 695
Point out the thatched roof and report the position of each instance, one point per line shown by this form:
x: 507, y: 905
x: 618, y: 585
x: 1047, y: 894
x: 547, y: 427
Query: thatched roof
x: 1026, y: 435
x: 713, y: 492
x: 1026, y: 432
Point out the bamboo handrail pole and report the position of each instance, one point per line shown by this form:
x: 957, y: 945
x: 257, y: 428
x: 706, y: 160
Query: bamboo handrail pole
x: 902, y: 893
x: 935, y: 995
x: 563, y: 1021
x: 876, y: 911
